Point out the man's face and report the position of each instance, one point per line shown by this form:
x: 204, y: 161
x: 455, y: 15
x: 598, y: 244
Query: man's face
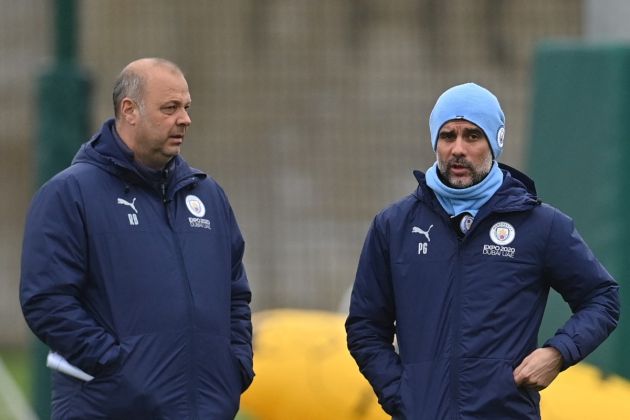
x: 463, y: 154
x: 162, y: 118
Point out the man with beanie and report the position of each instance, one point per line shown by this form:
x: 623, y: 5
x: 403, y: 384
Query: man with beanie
x: 460, y: 270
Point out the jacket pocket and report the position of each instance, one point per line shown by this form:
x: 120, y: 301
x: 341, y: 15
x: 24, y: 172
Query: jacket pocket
x: 425, y: 391
x: 221, y: 374
x: 124, y: 391
x: 68, y: 391
x: 488, y: 391
x: 247, y: 375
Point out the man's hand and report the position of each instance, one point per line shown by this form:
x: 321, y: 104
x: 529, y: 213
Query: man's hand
x: 539, y: 368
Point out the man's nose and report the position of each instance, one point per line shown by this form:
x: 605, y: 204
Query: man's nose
x: 184, y: 118
x: 458, y: 146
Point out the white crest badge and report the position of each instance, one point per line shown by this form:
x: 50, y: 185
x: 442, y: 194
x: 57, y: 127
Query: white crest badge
x: 195, y: 205
x: 501, y: 136
x: 502, y: 233
x: 466, y: 223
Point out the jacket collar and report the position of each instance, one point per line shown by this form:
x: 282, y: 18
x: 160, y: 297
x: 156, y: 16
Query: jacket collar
x: 106, y: 152
x: 517, y: 192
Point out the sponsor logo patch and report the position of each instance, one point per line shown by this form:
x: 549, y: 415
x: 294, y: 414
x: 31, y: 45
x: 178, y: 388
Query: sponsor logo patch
x: 198, y: 222
x: 500, y: 251
x: 423, y: 247
x: 132, y: 217
x: 416, y: 229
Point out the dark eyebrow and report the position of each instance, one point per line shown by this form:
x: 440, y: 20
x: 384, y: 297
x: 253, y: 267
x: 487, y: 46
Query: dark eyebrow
x: 477, y: 131
x: 446, y: 132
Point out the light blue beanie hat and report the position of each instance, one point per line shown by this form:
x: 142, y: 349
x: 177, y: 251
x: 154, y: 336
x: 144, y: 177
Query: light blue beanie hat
x: 472, y: 103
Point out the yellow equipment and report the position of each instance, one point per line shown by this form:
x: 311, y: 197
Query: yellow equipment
x: 304, y: 371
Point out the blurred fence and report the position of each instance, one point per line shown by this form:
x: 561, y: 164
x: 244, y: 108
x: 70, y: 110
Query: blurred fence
x: 311, y: 114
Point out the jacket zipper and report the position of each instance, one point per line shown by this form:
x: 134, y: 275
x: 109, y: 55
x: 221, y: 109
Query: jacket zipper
x: 457, y: 321
x: 191, y: 337
x: 456, y: 334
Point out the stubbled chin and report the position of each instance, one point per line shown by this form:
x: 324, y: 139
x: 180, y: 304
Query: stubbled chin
x: 459, y: 183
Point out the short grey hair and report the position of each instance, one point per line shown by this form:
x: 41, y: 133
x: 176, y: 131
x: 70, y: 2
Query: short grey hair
x: 129, y: 84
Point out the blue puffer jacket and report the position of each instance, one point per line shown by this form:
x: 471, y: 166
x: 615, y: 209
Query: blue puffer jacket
x: 141, y: 286
x: 467, y: 311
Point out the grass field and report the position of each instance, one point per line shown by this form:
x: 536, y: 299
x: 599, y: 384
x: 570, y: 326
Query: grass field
x: 16, y: 377
x: 17, y: 362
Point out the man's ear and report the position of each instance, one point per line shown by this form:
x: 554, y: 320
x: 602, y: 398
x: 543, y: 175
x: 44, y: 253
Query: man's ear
x: 129, y: 111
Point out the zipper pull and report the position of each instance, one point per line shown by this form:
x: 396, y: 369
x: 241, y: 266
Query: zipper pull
x: 165, y: 173
x: 164, y: 199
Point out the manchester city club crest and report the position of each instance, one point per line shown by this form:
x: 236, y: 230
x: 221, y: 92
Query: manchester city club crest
x: 502, y: 233
x: 195, y: 206
x: 465, y: 223
x: 501, y: 136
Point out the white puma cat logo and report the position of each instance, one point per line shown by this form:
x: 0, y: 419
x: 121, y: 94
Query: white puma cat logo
x: 127, y: 203
x: 416, y: 229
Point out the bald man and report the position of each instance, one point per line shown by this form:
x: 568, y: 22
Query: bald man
x: 132, y: 268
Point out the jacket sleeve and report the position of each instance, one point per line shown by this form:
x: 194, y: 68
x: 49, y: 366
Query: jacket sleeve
x: 241, y: 324
x: 370, y: 324
x: 53, y: 275
x: 590, y: 291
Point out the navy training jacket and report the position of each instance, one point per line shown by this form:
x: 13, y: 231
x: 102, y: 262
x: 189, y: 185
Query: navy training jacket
x: 139, y: 285
x: 466, y: 311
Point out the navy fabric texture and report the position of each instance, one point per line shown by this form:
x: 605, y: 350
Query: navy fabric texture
x: 138, y: 288
x: 466, y: 309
